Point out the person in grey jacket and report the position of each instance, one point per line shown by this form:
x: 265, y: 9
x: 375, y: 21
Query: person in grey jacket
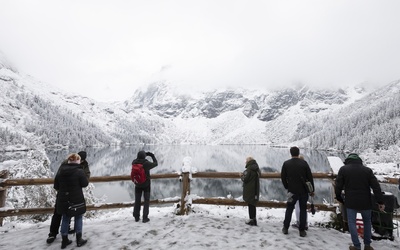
x: 251, y: 188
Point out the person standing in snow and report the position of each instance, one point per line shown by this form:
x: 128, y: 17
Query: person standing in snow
x: 69, y: 182
x: 145, y: 187
x: 297, y: 209
x: 357, y: 181
x: 251, y: 188
x: 56, y: 218
x: 295, y: 172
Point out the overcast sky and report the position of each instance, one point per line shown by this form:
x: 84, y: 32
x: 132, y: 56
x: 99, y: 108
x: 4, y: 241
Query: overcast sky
x: 107, y: 49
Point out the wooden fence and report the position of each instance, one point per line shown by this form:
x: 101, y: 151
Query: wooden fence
x: 185, y: 180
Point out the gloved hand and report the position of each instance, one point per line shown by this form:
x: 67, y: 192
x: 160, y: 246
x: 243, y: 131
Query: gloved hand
x: 312, y: 208
x: 150, y: 154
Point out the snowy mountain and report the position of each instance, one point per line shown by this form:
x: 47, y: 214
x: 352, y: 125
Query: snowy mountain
x: 33, y: 112
x: 238, y: 116
x: 370, y: 123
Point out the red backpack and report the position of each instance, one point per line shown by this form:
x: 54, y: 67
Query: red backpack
x: 138, y: 175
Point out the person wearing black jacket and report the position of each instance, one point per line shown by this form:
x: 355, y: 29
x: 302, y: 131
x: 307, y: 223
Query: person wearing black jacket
x: 143, y: 188
x: 69, y: 181
x: 294, y: 174
x: 251, y: 188
x: 56, y: 218
x: 357, y: 181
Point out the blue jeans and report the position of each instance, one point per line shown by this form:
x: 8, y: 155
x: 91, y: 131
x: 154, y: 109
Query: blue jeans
x: 78, y: 224
x: 302, y: 198
x: 351, y: 220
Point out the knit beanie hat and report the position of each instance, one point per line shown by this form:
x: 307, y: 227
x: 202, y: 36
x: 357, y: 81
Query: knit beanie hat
x: 352, y: 157
x: 82, y: 154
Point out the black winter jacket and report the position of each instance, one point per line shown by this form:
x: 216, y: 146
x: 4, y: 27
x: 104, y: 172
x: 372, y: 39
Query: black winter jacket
x: 251, y: 183
x: 357, y: 180
x: 147, y: 165
x: 295, y: 172
x: 69, y: 181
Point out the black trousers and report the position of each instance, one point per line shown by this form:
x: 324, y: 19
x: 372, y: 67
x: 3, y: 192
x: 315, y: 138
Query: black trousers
x: 138, y: 200
x: 55, y: 222
x: 252, y: 211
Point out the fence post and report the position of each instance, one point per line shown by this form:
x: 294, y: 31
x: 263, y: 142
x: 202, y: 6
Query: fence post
x: 3, y: 192
x: 185, y: 192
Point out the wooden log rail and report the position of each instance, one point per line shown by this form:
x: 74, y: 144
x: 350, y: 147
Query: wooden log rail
x: 91, y: 207
x: 5, y: 182
x: 227, y: 175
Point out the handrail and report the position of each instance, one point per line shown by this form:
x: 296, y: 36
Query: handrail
x: 90, y: 207
x: 228, y: 175
x: 5, y: 182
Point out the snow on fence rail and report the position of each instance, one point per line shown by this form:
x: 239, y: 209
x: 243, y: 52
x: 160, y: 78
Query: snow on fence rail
x: 184, y: 177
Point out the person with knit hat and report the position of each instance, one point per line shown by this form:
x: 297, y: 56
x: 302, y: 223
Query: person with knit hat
x: 357, y: 181
x: 84, y: 163
x: 143, y: 188
x: 56, y: 218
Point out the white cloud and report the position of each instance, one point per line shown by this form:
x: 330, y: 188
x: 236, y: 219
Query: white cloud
x: 125, y: 44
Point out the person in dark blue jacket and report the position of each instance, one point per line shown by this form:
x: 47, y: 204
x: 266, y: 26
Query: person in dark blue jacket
x: 143, y: 188
x: 357, y: 181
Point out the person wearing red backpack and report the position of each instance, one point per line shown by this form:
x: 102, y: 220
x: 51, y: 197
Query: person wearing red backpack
x: 145, y: 187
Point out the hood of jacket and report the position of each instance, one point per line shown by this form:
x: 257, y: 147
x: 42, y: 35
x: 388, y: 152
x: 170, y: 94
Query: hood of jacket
x: 252, y: 165
x: 68, y: 169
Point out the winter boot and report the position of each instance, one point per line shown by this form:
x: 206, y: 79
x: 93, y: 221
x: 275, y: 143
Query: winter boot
x: 65, y: 242
x: 252, y: 222
x: 302, y: 233
x: 79, y: 241
x: 51, y: 238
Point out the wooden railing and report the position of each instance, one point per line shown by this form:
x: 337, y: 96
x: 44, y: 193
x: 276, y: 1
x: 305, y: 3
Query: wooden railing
x: 5, y: 182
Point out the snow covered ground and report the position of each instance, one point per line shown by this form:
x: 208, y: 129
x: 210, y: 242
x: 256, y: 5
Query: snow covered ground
x: 207, y: 227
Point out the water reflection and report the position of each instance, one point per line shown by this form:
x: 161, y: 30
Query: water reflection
x: 221, y: 158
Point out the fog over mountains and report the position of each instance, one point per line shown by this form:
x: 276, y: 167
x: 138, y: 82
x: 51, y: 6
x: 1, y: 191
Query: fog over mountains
x: 356, y: 118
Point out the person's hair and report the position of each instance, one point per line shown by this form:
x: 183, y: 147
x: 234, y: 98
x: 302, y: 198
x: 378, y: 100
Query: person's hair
x: 249, y: 158
x: 294, y: 151
x: 74, y: 158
